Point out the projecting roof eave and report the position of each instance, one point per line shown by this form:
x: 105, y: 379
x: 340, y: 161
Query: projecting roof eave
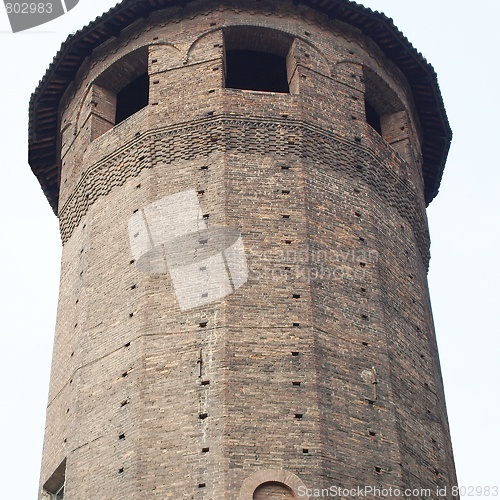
x: 44, y: 103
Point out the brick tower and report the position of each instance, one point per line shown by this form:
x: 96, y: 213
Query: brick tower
x: 304, y: 138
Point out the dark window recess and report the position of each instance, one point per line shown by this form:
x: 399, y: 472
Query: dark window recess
x: 55, y: 485
x: 255, y: 70
x: 132, y: 98
x: 372, y: 117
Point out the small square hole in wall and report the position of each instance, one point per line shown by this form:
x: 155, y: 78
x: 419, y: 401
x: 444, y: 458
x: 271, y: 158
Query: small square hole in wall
x: 205, y: 450
x: 205, y: 382
x: 295, y: 353
x: 305, y: 450
x: 298, y: 415
x: 201, y: 485
x: 203, y: 416
x: 203, y: 324
x: 296, y: 384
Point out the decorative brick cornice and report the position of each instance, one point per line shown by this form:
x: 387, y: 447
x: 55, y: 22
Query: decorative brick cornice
x: 200, y: 139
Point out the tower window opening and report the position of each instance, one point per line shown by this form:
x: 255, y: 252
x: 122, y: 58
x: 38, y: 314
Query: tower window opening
x: 386, y: 114
x: 132, y: 98
x: 273, y: 489
x: 259, y: 59
x: 373, y: 118
x: 55, y: 485
x: 255, y: 70
x: 119, y: 92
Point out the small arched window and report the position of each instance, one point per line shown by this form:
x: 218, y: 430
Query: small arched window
x: 273, y: 490
x: 386, y: 114
x: 120, y: 91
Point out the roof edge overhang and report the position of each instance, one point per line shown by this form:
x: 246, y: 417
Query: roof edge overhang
x: 44, y: 102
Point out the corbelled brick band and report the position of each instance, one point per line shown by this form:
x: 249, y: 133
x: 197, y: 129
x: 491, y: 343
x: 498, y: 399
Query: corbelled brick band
x: 322, y: 369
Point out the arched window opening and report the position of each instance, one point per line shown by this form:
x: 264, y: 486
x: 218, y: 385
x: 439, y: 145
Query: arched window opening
x: 119, y: 92
x: 273, y: 490
x: 258, y: 59
x: 386, y: 114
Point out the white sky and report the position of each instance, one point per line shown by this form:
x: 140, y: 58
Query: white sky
x: 460, y: 39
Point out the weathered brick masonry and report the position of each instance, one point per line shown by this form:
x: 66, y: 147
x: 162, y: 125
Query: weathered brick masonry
x: 322, y: 370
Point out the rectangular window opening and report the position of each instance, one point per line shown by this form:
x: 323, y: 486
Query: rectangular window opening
x: 373, y: 118
x: 256, y: 70
x: 132, y: 98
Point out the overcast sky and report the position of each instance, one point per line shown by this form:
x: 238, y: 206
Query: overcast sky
x: 460, y: 40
